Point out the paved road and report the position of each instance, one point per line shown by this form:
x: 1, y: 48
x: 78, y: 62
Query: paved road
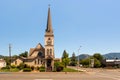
x: 90, y: 75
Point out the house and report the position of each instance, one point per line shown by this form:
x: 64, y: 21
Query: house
x: 2, y: 63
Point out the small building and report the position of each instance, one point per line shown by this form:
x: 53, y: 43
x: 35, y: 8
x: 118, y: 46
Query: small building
x: 2, y: 63
x: 111, y: 62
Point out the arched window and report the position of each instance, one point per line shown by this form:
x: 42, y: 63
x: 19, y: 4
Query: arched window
x: 47, y: 51
x: 35, y: 62
x: 50, y: 51
x: 49, y: 41
x: 40, y: 54
x: 38, y: 61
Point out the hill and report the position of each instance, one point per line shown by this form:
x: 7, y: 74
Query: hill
x: 1, y: 56
x: 83, y: 56
x: 112, y: 55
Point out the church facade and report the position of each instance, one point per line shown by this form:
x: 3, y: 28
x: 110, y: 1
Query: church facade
x: 41, y: 56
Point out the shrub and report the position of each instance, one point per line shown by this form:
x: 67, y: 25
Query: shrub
x: 58, y: 66
x: 27, y: 70
x: 14, y: 70
x: 42, y: 69
x: 13, y: 66
x: 21, y: 66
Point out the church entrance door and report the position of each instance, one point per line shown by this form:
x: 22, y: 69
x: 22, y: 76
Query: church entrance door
x: 49, y: 67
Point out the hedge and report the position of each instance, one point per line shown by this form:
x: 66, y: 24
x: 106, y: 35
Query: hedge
x: 27, y: 70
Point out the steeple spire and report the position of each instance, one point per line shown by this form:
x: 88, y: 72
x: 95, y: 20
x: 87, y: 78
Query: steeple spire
x: 49, y: 22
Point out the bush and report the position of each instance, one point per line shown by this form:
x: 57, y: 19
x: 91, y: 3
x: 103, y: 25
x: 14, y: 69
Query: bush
x: 14, y: 70
x: 27, y: 70
x: 13, y: 66
x: 21, y: 66
x: 58, y: 66
x: 42, y: 69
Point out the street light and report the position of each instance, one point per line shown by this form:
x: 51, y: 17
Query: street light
x: 78, y: 58
x: 10, y: 53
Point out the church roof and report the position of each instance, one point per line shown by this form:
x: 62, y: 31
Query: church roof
x: 37, y: 48
x: 49, y: 30
x: 28, y: 59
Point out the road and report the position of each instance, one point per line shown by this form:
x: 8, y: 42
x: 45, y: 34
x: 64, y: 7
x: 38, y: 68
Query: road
x: 89, y: 75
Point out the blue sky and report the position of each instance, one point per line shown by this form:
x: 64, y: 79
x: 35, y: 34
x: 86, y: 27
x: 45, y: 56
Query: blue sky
x: 92, y: 24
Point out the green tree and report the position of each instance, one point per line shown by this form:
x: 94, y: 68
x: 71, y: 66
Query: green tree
x: 73, y: 60
x: 97, y: 63
x: 65, y: 59
x: 24, y: 54
x: 85, y: 62
x: 7, y: 59
x: 98, y: 56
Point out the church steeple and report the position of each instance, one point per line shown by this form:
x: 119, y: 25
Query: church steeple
x: 49, y: 44
x: 49, y: 24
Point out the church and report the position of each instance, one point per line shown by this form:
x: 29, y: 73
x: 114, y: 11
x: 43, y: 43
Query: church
x: 41, y: 56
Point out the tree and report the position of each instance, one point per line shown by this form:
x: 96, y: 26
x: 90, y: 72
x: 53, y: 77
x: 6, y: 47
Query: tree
x: 65, y: 59
x: 73, y: 60
x: 97, y: 63
x: 25, y: 54
x: 7, y: 59
x: 98, y: 56
x: 85, y: 62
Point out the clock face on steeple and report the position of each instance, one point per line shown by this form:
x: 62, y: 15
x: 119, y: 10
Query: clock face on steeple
x: 49, y: 41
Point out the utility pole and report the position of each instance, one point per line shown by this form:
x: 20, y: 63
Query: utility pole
x: 78, y: 58
x: 10, y: 53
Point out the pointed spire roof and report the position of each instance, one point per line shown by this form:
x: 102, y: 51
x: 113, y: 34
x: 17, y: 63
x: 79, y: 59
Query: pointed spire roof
x: 49, y: 22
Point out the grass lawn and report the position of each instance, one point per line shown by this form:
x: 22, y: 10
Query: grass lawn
x: 69, y: 70
x: 10, y: 70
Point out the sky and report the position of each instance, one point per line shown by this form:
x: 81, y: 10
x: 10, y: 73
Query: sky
x: 92, y: 24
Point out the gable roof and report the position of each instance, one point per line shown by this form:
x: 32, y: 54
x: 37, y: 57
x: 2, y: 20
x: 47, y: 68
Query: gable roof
x: 37, y: 48
x: 28, y: 59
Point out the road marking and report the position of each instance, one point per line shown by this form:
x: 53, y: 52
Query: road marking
x: 43, y: 79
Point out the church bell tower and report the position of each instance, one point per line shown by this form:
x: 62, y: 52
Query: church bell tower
x: 49, y: 44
